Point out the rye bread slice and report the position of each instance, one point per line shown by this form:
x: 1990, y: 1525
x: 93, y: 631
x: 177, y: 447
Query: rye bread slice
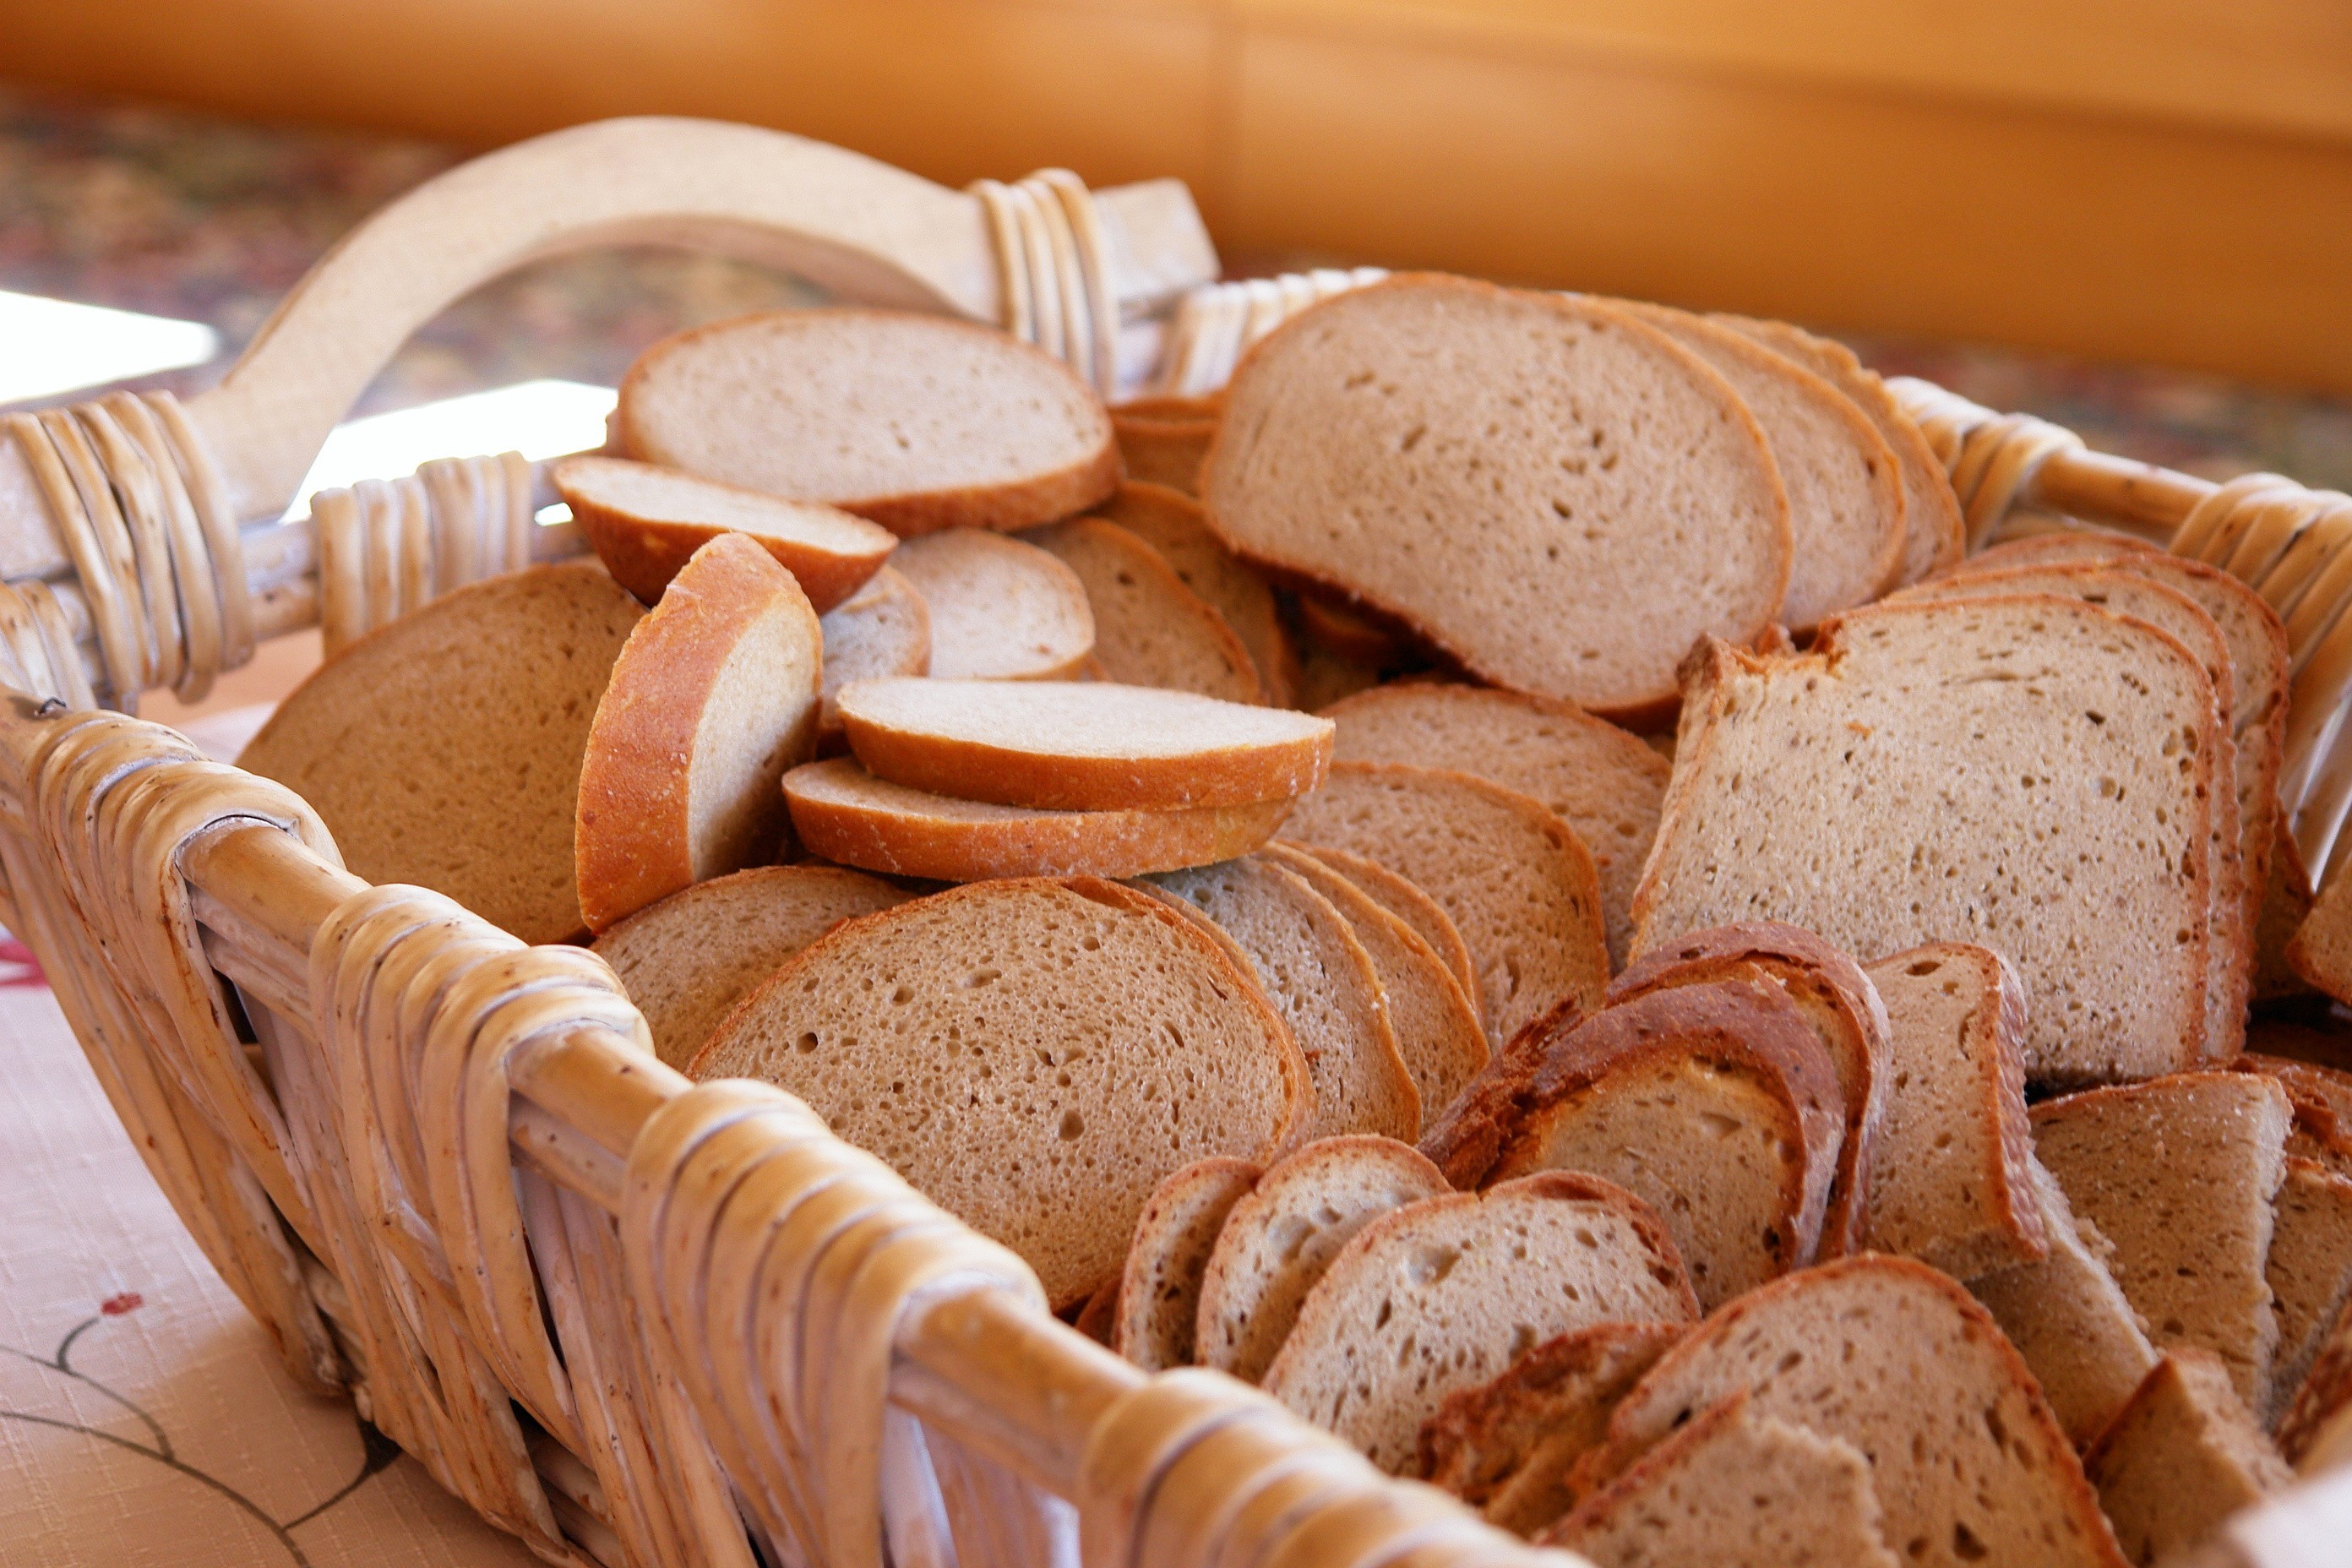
x: 1594, y: 776
x: 480, y: 702
x: 999, y: 609
x: 1404, y: 898
x: 2309, y: 1269
x: 1159, y: 1290
x: 1515, y: 879
x: 883, y: 629
x: 2182, y: 1457
x: 1081, y: 746
x: 1173, y: 523
x: 1443, y: 1294
x: 1036, y: 1055
x: 1149, y: 628
x: 919, y: 422
x: 688, y: 959
x: 714, y: 696
x: 1929, y: 771
x: 1558, y: 497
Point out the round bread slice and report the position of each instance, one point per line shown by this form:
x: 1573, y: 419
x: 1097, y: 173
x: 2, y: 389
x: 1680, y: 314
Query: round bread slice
x: 883, y: 629
x: 644, y: 521
x: 1554, y: 493
x: 444, y: 750
x: 1405, y: 900
x: 999, y: 609
x: 1160, y: 1288
x: 1036, y: 1055
x: 1082, y: 745
x: 1150, y: 629
x: 1515, y: 880
x: 844, y: 813
x: 919, y: 422
x: 712, y: 699
x: 1280, y: 1236
x: 1173, y: 523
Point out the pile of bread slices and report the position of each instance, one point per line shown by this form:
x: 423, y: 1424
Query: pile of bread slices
x: 1502, y: 879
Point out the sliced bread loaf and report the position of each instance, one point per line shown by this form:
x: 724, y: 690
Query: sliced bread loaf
x: 1159, y: 1290
x: 714, y: 696
x: 1149, y: 628
x: 999, y: 609
x: 919, y: 422
x: 1443, y: 1294
x: 1405, y: 900
x: 1036, y: 1055
x: 883, y: 629
x: 2309, y: 1269
x: 481, y: 701
x: 1173, y: 523
x: 2183, y: 1455
x: 1558, y: 496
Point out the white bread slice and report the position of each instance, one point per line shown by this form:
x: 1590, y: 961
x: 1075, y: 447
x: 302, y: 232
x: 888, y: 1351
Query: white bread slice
x: 999, y: 609
x: 1929, y: 772
x: 1149, y: 628
x: 1515, y: 880
x: 644, y: 521
x: 1597, y: 778
x: 482, y: 701
x: 844, y: 813
x: 919, y: 422
x: 1505, y: 1446
x: 1322, y: 982
x: 1159, y: 1290
x: 2182, y: 1457
x: 2179, y: 1173
x: 1893, y: 1357
x: 1558, y: 497
x: 1173, y: 523
x: 687, y: 960
x: 713, y: 698
x: 883, y: 629
x: 1279, y: 1239
x: 2309, y: 1269
x: 1164, y: 445
x: 1036, y: 1055
x: 1405, y: 900
x: 1443, y: 1294
x: 1081, y: 746
x: 1735, y: 1487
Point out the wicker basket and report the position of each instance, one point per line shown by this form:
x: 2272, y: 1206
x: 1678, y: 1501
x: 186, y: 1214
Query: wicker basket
x: 631, y: 1320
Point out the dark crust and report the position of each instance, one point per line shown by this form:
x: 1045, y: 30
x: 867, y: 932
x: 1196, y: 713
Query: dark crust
x: 1472, y: 1420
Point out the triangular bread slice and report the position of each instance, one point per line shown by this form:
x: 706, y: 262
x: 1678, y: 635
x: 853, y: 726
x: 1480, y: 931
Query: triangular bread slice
x: 481, y: 703
x: 1034, y: 1055
x: 1149, y: 628
x: 1515, y: 879
x: 1597, y: 778
x: 1470, y: 461
x: 844, y: 813
x: 1082, y: 745
x: 999, y: 609
x: 2182, y: 1457
x: 1278, y: 1241
x: 688, y: 959
x: 917, y: 421
x: 1891, y: 1356
x: 1443, y: 1294
x: 713, y: 698
x: 2309, y: 1267
x: 883, y: 629
x: 1405, y: 900
x: 1159, y: 1291
x: 1173, y: 523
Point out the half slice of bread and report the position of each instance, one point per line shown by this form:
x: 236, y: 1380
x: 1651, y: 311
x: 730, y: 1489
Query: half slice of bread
x: 1158, y: 1289
x: 883, y: 629
x: 1556, y: 495
x: 1036, y: 1055
x: 1442, y: 1295
x: 481, y: 701
x: 999, y: 609
x: 2309, y: 1269
x: 1149, y: 628
x: 688, y: 959
x: 1600, y: 779
x: 919, y: 422
x: 2182, y: 1457
x: 1173, y: 523
x: 1405, y: 900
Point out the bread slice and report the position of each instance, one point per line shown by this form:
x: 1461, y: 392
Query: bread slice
x: 2182, y: 1457
x: 1279, y: 1239
x: 919, y: 422
x: 1929, y: 771
x: 1505, y: 1446
x: 2322, y: 1100
x: 1160, y: 1288
x: 687, y: 960
x: 2309, y: 1269
x: 1950, y: 1182
x: 1518, y: 477
x: 1515, y: 880
x: 480, y: 702
x: 1735, y: 1486
x: 1081, y: 746
x: 714, y: 696
x: 1345, y: 627
x: 1405, y: 900
x: 2287, y: 902
x: 2316, y: 1431
x: 1322, y: 982
x: 1893, y: 1357
x: 1845, y: 494
x: 1173, y: 523
x: 1164, y: 447
x: 1149, y: 628
x: 1600, y: 779
x: 883, y: 629
x: 999, y: 609
x: 1443, y: 1294
x: 2179, y: 1173
x: 1036, y: 1055
x: 2320, y: 951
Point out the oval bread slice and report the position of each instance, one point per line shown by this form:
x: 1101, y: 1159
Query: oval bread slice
x: 1406, y: 901
x: 883, y: 629
x: 1150, y: 629
x: 1173, y: 523
x: 1160, y: 1288
x: 999, y: 608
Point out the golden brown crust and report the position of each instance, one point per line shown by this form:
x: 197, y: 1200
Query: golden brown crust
x: 1163, y: 450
